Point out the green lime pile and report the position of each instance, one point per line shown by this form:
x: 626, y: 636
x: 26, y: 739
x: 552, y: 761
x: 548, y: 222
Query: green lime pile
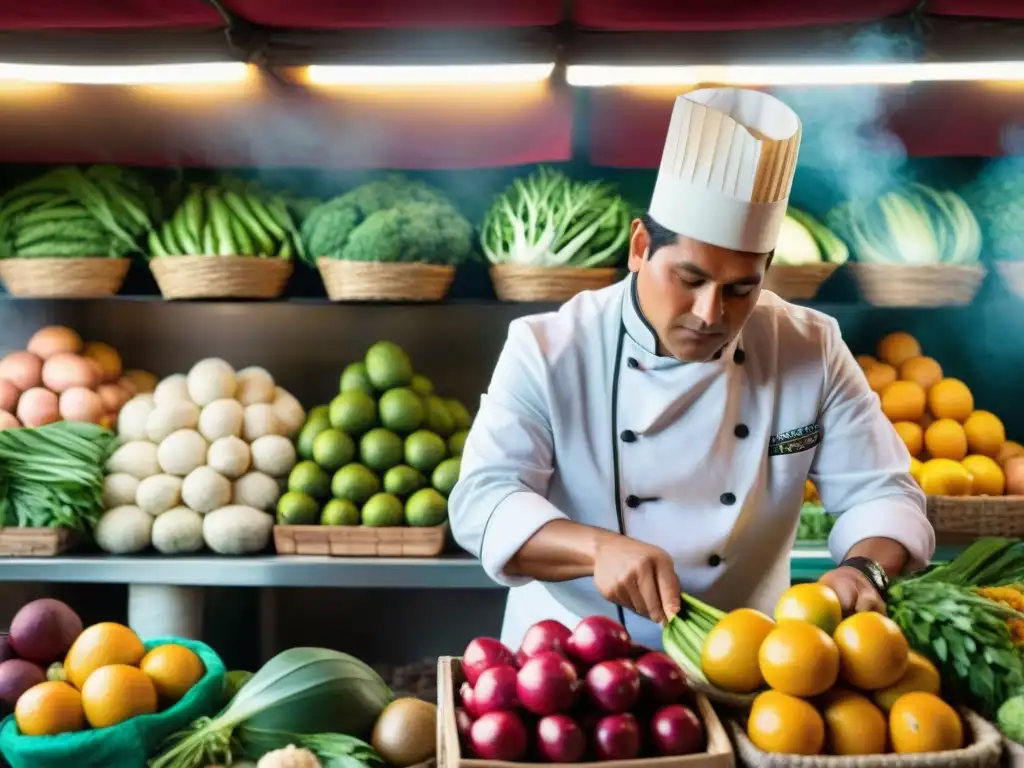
x: 384, y: 452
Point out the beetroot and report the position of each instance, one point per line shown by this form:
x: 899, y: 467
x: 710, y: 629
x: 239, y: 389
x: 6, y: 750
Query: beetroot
x: 468, y: 700
x: 498, y: 736
x: 547, y: 635
x: 597, y: 639
x: 16, y: 677
x: 614, y: 685
x: 560, y: 740
x: 617, y: 737
x: 43, y: 630
x: 495, y: 691
x: 483, y: 653
x: 660, y: 678
x: 547, y: 684
x: 676, y: 730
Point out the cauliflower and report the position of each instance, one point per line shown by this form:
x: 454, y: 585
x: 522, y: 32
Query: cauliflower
x: 289, y: 757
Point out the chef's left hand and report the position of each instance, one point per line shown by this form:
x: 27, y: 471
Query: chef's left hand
x: 856, y: 592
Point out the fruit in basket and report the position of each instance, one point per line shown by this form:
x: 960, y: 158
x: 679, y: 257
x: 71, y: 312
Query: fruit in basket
x: 898, y: 347
x: 784, y: 724
x: 922, y: 370
x: 729, y: 656
x: 921, y: 675
x: 614, y: 686
x: 560, y: 740
x: 483, y: 653
x: 542, y: 637
x: 799, y: 659
x: 405, y: 732
x: 873, y: 652
x: 987, y: 477
x: 904, y: 401
x: 16, y: 677
x: 950, y: 399
x: 853, y: 725
x: 101, y: 645
x: 661, y: 680
x: 498, y: 736
x: 115, y: 693
x: 676, y: 730
x: 617, y: 737
x: 922, y: 722
x: 49, y: 708
x: 985, y: 433
x: 495, y: 690
x: 43, y: 630
x: 599, y: 638
x: 945, y: 439
x: 945, y: 477
x: 173, y: 669
x: 1014, y: 469
x: 814, y: 603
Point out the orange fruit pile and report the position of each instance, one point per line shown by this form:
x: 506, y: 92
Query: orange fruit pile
x: 955, y: 449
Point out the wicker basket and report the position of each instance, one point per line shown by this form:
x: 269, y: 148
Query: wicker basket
x: 37, y: 542
x: 220, y: 277
x: 984, y: 751
x: 515, y: 283
x: 962, y: 519
x: 377, y: 281
x: 899, y: 285
x: 359, y: 541
x: 1012, y: 273
x: 57, y: 278
x: 797, y: 282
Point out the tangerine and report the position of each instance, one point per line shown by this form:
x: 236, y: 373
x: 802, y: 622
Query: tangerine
x: 783, y: 724
x: 49, y: 708
x: 880, y: 376
x: 904, y: 401
x: 729, y: 657
x: 985, y: 433
x: 923, y: 370
x: 866, y: 361
x: 912, y: 436
x: 896, y: 348
x: 116, y: 693
x: 922, y: 722
x: 921, y: 675
x: 799, y: 659
x: 950, y: 399
x: 174, y: 669
x: 945, y: 477
x: 814, y: 603
x: 853, y: 725
x: 945, y: 439
x: 99, y: 646
x: 873, y: 651
x: 987, y: 477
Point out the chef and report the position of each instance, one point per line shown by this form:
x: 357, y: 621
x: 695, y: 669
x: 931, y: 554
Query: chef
x: 656, y: 435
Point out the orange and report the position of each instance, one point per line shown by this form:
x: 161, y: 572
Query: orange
x: 98, y: 646
x: 945, y: 477
x: 912, y: 436
x: 117, y: 693
x: 810, y: 492
x: 904, y: 401
x: 985, y: 433
x: 922, y: 722
x: 866, y: 361
x: 915, y: 469
x: 783, y: 724
x: 950, y: 399
x: 49, y: 708
x: 987, y: 477
x: 174, y: 669
x: 799, y: 659
x: 1010, y: 450
x: 814, y: 603
x: 923, y: 370
x: 897, y: 348
x: 945, y: 439
x: 729, y: 655
x: 853, y: 725
x: 880, y: 376
x: 873, y: 651
x: 921, y: 675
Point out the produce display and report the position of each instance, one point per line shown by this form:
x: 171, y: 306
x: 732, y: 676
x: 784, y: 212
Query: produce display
x: 804, y: 240
x: 60, y: 376
x: 551, y: 220
x: 385, y: 451
x: 815, y: 523
x: 957, y: 449
x: 994, y: 197
x: 568, y: 696
x: 201, y: 462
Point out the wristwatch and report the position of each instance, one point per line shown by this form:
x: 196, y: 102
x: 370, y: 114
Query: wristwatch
x: 872, y: 570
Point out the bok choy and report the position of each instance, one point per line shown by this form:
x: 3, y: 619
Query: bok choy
x: 805, y: 240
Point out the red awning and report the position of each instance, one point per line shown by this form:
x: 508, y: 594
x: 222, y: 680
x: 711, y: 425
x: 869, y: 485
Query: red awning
x: 106, y: 14
x: 394, y: 14
x: 986, y: 9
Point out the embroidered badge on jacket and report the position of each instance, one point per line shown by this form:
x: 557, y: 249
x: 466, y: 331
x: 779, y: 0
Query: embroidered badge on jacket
x: 795, y: 440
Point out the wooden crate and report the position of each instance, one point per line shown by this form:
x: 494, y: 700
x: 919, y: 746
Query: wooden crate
x: 37, y: 542
x: 359, y: 540
x: 719, y: 752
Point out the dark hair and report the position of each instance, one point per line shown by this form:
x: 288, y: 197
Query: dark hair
x: 660, y: 236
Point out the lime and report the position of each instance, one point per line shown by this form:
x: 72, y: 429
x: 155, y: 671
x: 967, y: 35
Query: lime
x: 318, y: 412
x: 457, y: 442
x: 355, y: 483
x: 296, y: 508
x: 354, y: 379
x: 339, y: 512
x: 424, y: 450
x: 380, y: 449
x: 333, y: 449
x: 309, y: 478
x: 383, y: 510
x: 459, y: 415
x: 421, y: 385
x: 403, y: 480
x: 426, y: 508
x: 353, y: 412
x: 313, y: 427
x: 446, y: 475
x: 388, y: 366
x: 401, y: 410
x: 438, y: 418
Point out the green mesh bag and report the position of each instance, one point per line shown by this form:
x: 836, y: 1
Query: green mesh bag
x: 130, y: 744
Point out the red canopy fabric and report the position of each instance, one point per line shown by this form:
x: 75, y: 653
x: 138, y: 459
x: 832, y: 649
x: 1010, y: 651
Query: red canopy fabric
x: 396, y: 14
x: 106, y: 14
x: 989, y: 9
x: 710, y: 15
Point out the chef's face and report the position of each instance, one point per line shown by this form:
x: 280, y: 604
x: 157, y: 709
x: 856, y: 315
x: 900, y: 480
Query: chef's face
x: 696, y: 296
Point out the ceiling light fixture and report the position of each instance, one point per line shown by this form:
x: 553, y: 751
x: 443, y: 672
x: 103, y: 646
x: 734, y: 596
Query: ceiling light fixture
x: 450, y: 74
x: 142, y: 74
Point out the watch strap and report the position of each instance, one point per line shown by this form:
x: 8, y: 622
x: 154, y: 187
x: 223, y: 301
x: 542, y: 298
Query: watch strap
x: 871, y: 570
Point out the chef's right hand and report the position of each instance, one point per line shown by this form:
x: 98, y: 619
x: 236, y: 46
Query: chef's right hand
x: 637, y: 576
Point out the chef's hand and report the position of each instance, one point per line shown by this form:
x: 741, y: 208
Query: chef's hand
x: 637, y: 576
x: 856, y: 592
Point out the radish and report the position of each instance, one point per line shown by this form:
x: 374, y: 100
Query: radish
x: 676, y: 730
x: 614, y: 685
x: 495, y: 691
x: 547, y: 635
x: 483, y: 653
x: 560, y: 739
x: 547, y: 684
x: 498, y: 736
x: 617, y: 737
x: 660, y: 678
x: 597, y: 639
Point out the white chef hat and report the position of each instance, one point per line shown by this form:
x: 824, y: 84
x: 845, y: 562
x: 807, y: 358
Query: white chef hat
x: 727, y: 168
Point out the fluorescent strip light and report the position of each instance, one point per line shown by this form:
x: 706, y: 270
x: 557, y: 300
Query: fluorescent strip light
x: 143, y: 74
x: 590, y: 76
x: 452, y: 74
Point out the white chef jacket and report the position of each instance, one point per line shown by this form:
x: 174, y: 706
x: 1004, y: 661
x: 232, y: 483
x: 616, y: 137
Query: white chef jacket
x: 583, y: 420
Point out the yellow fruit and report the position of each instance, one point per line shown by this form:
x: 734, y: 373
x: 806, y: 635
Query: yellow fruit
x: 1010, y: 450
x: 116, y: 693
x: 174, y: 669
x: 985, y: 433
x: 912, y: 436
x: 880, y: 376
x: 950, y: 399
x: 922, y: 722
x: 99, y: 646
x: 729, y: 656
x: 945, y: 477
x: 866, y: 361
x: 987, y: 477
x: 810, y: 492
x: 923, y: 370
x: 782, y: 724
x: 897, y: 348
x: 904, y: 401
x: 799, y: 659
x: 49, y: 708
x: 853, y: 725
x: 813, y: 603
x: 915, y: 469
x: 873, y: 651
x: 921, y: 675
x: 945, y: 439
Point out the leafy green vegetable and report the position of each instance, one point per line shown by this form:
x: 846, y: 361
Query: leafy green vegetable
x: 550, y: 220
x: 1010, y: 718
x: 997, y: 198
x: 815, y: 524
